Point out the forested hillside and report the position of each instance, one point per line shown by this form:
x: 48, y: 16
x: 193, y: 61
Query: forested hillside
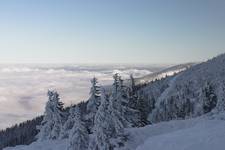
x: 20, y: 134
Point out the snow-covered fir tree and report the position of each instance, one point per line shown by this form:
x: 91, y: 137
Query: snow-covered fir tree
x: 143, y: 111
x: 132, y: 93
x: 53, y: 118
x: 68, y: 125
x: 93, y: 102
x: 221, y: 97
x: 47, y: 122
x: 209, y: 99
x: 120, y: 100
x: 58, y: 116
x: 132, y: 113
x: 104, y: 127
x: 116, y: 104
x: 132, y: 84
x: 79, y: 137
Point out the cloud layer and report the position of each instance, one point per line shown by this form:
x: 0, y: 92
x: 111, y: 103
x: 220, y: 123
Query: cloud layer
x: 23, y: 88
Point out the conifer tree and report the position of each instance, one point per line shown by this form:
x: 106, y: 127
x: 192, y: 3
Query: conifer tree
x: 104, y: 128
x: 79, y: 135
x: 58, y: 116
x: 132, y: 93
x: 93, y: 102
x: 53, y: 118
x: 221, y: 102
x: 210, y: 99
x: 116, y: 108
x: 120, y: 100
x: 68, y: 125
x: 143, y: 111
x: 132, y: 84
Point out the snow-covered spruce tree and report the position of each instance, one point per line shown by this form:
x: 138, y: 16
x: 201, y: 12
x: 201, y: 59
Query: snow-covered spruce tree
x: 123, y: 115
x: 221, y: 99
x: 93, y: 102
x: 132, y: 93
x: 68, y: 125
x: 116, y: 105
x: 104, y: 127
x: 128, y: 95
x: 53, y: 117
x: 47, y: 122
x: 58, y: 116
x: 143, y: 111
x: 209, y: 99
x: 132, y: 84
x: 79, y: 136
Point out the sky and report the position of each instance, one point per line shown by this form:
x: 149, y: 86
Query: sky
x: 106, y: 31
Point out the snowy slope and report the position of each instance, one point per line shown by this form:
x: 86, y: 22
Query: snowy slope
x: 202, y: 133
x: 161, y: 74
x: 185, y: 94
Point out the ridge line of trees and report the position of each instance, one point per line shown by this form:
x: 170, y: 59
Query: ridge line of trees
x: 100, y: 124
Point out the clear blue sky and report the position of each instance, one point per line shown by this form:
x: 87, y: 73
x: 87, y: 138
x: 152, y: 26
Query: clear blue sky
x: 111, y: 31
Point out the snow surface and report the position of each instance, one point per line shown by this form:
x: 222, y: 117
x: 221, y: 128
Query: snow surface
x: 206, y: 135
x: 202, y: 133
x: 45, y: 145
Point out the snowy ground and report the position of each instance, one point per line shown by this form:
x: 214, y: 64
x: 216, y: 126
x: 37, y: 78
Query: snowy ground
x: 204, y: 133
x: 187, y: 135
x: 46, y: 145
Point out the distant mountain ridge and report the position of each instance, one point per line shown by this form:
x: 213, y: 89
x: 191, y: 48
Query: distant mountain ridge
x: 162, y: 74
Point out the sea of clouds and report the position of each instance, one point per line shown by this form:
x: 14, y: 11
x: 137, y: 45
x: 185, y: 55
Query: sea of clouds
x: 23, y: 88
